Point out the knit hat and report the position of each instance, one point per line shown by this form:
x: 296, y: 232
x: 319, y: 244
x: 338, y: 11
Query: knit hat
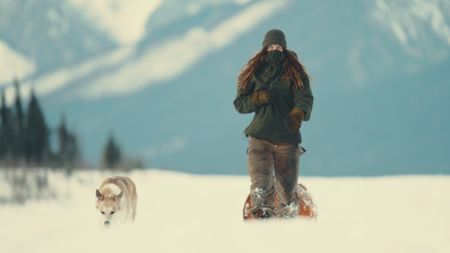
x: 274, y: 36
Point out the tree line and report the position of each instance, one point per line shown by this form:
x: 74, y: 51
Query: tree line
x: 25, y: 138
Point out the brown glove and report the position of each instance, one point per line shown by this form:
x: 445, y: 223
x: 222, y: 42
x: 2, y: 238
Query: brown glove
x: 264, y: 97
x: 294, y: 119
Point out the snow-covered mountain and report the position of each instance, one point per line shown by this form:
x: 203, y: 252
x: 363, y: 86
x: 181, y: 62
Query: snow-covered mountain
x: 50, y: 32
x: 163, y: 81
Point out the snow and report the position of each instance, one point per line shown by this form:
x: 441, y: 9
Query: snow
x: 194, y: 7
x: 124, y: 20
x: 14, y: 64
x: 406, y: 20
x: 198, y: 213
x: 62, y: 77
x: 157, y: 63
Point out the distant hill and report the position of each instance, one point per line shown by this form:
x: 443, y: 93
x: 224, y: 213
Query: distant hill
x: 379, y: 68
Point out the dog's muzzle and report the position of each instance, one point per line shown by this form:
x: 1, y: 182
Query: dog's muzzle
x: 107, y: 223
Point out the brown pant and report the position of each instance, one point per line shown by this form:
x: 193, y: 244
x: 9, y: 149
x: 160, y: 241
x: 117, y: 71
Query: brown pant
x: 272, y: 168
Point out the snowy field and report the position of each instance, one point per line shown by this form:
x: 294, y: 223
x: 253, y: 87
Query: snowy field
x: 187, y: 213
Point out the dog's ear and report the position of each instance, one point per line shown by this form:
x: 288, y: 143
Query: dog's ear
x: 98, y: 194
x: 120, y: 195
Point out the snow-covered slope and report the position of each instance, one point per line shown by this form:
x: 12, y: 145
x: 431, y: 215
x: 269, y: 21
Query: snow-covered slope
x: 113, y: 16
x: 52, y: 33
x: 186, y: 213
x: 14, y: 63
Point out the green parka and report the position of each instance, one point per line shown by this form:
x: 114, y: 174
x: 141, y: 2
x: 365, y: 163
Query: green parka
x: 268, y: 122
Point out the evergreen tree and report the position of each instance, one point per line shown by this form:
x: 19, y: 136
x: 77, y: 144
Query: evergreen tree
x: 112, y: 156
x: 68, y: 153
x: 37, y: 144
x: 19, y: 126
x: 6, y: 131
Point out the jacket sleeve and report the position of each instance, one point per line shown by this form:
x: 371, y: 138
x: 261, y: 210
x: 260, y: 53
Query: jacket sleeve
x: 303, y: 99
x: 243, y: 102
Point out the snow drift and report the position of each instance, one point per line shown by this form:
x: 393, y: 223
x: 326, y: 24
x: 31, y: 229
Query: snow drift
x: 186, y: 213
